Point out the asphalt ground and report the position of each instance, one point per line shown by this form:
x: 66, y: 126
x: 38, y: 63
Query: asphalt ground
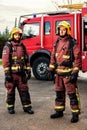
x: 42, y: 96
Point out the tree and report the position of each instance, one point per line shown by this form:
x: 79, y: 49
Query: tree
x: 5, y: 35
x: 3, y: 38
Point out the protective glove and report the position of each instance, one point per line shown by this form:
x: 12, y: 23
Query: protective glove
x: 8, y: 77
x: 28, y: 75
x: 51, y: 72
x: 73, y: 77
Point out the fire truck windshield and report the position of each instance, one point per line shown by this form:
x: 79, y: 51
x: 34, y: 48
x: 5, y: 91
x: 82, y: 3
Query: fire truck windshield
x: 31, y: 30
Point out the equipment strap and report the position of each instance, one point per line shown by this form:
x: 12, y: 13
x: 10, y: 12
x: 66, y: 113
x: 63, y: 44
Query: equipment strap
x: 72, y: 42
x: 11, y: 50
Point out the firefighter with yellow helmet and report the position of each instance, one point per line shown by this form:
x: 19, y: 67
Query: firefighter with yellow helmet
x: 66, y: 62
x: 17, y: 71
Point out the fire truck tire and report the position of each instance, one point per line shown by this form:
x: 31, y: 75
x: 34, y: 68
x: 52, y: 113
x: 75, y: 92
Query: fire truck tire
x: 39, y: 69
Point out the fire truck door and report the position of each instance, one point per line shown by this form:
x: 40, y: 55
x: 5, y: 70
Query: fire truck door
x: 84, y: 44
x: 68, y: 18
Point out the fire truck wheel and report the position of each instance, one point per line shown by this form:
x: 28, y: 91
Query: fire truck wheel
x: 40, y: 69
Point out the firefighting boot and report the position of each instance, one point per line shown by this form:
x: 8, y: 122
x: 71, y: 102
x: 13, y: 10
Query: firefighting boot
x: 11, y: 110
x: 57, y: 114
x: 75, y: 117
x: 28, y: 110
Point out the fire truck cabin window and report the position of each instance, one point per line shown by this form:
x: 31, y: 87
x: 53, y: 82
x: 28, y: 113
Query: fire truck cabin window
x: 47, y: 28
x: 31, y: 30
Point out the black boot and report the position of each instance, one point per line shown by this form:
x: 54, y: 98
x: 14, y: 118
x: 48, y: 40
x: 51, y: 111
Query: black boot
x: 75, y: 118
x: 57, y: 114
x: 28, y: 110
x: 11, y: 110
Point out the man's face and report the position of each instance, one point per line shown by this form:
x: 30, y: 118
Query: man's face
x: 17, y: 36
x: 62, y: 31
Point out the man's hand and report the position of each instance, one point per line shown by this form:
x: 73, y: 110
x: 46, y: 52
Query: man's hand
x: 73, y: 77
x: 28, y: 75
x: 52, y: 73
x: 8, y: 77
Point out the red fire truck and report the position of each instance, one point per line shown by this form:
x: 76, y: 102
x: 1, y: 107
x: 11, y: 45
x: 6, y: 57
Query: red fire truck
x: 40, y: 33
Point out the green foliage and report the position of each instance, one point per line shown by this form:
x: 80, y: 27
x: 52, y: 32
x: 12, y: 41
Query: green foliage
x: 3, y: 38
x: 0, y: 62
x: 5, y: 35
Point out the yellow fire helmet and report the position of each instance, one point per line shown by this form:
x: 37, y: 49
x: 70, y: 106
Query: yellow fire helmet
x: 66, y: 25
x: 15, y: 30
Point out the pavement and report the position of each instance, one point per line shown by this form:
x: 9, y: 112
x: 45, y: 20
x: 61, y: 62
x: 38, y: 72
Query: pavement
x: 42, y: 96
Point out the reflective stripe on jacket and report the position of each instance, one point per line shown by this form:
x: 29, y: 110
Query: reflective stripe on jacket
x: 62, y: 54
x: 15, y: 61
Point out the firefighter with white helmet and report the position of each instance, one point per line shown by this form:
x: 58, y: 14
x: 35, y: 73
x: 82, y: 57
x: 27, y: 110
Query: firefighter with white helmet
x: 66, y: 62
x: 17, y: 71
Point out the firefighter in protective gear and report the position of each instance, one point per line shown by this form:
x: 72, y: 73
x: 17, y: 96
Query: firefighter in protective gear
x: 66, y: 62
x: 17, y: 71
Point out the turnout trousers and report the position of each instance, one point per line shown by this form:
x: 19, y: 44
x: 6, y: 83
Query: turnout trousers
x: 22, y: 87
x: 63, y: 86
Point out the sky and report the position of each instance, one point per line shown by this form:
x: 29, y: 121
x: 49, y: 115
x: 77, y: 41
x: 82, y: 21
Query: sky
x: 9, y: 9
